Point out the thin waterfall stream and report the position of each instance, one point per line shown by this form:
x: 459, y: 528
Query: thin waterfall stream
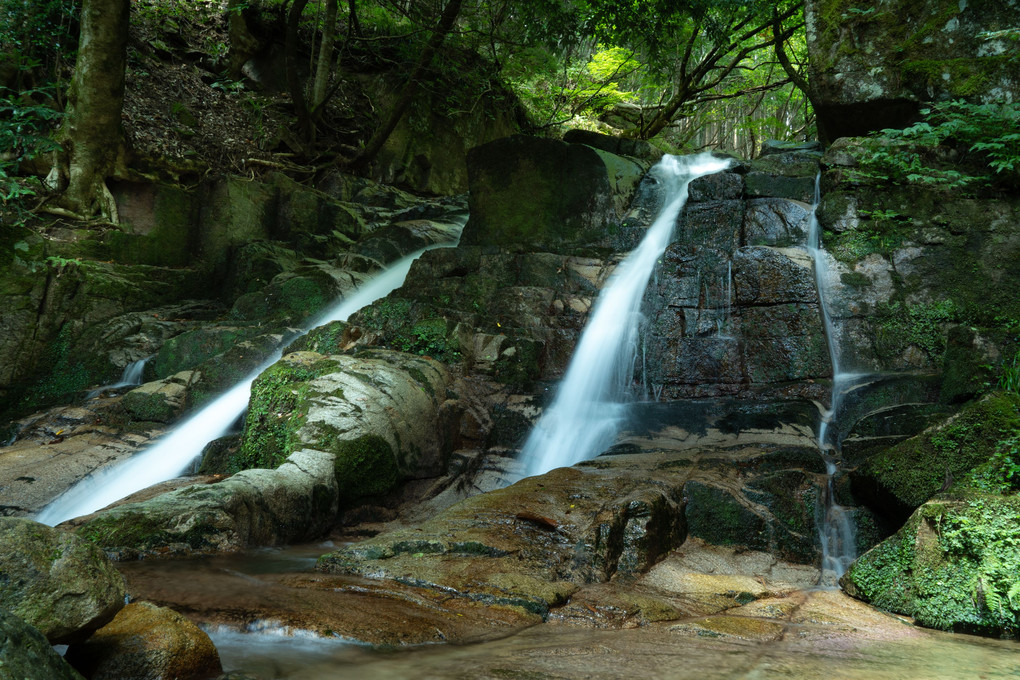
x: 836, y: 529
x: 172, y: 455
x: 591, y: 401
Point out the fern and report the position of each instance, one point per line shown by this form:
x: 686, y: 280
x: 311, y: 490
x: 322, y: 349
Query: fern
x: 1014, y: 596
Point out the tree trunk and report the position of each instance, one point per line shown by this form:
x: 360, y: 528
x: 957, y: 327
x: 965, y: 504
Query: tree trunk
x: 243, y: 44
x: 325, y: 65
x: 383, y: 132
x: 294, y: 84
x: 92, y: 135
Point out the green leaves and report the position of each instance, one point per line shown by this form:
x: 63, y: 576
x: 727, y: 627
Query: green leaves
x: 978, y: 137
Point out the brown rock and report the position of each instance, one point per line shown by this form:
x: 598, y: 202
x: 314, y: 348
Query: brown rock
x: 146, y: 641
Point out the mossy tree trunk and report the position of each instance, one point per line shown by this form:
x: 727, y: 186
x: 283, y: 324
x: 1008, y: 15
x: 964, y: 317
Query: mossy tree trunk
x: 92, y: 136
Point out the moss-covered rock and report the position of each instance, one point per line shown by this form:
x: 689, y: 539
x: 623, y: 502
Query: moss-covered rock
x: 872, y: 66
x: 379, y: 413
x: 61, y: 585
x: 26, y: 654
x: 899, y: 479
x: 557, y: 216
x: 295, y: 502
x: 953, y: 566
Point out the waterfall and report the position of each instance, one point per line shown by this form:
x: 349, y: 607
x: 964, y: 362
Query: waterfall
x: 130, y: 377
x: 836, y: 529
x: 591, y: 401
x: 171, y: 455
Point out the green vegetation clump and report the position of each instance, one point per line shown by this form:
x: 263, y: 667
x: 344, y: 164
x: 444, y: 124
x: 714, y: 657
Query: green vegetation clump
x: 276, y: 412
x: 365, y: 466
x: 913, y: 471
x: 920, y: 325
x: 956, y: 145
x: 953, y: 566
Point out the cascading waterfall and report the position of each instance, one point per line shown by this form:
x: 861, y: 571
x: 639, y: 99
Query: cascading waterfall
x: 836, y: 530
x: 131, y: 376
x: 591, y: 401
x: 174, y: 453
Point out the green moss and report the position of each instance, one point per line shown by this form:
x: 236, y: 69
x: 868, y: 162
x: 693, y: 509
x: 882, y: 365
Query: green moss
x: 140, y: 531
x: 953, y: 566
x: 366, y: 466
x: 914, y: 470
x: 966, y: 76
x: 922, y: 325
x: 276, y: 412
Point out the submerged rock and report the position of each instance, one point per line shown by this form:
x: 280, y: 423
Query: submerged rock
x: 60, y: 584
x: 25, y: 654
x: 146, y: 641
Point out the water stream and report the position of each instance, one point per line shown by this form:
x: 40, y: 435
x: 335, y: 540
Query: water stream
x: 591, y: 401
x: 173, y: 454
x: 836, y: 529
x: 130, y: 377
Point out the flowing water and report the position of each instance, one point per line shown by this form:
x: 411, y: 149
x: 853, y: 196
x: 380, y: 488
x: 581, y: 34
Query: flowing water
x: 836, y: 529
x: 130, y: 377
x: 173, y: 454
x: 591, y: 401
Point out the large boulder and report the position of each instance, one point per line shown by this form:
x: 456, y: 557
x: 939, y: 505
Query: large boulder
x: 295, y: 502
x: 58, y: 583
x: 953, y: 566
x: 25, y: 654
x: 871, y: 67
x: 383, y: 415
x: 530, y: 193
x: 146, y: 641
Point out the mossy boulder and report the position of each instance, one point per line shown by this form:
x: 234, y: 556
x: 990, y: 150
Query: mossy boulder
x: 59, y: 584
x: 899, y: 479
x: 383, y: 415
x: 146, y: 641
x: 25, y: 654
x: 557, y: 216
x: 952, y: 566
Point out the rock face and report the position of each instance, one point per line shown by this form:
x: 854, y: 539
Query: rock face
x: 61, y: 585
x: 26, y: 655
x: 544, y: 195
x: 871, y: 67
x: 532, y: 545
x: 146, y: 641
x: 901, y: 478
x: 294, y: 502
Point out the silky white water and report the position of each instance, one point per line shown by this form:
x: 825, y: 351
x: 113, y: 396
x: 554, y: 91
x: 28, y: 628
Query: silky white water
x: 174, y: 453
x: 591, y: 402
x: 836, y: 529
x: 130, y: 377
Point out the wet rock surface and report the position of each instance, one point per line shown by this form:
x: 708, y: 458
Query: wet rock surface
x: 146, y: 641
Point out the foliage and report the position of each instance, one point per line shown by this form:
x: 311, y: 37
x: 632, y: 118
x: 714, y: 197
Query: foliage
x: 983, y: 139
x: 25, y: 129
x: 921, y: 325
x: 38, y: 39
